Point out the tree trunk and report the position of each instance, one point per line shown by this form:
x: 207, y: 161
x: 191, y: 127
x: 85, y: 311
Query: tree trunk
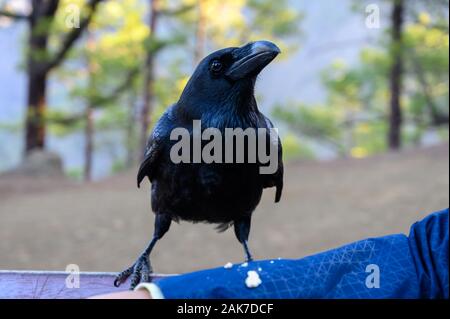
x: 36, y: 102
x: 130, y: 132
x: 39, y: 64
x: 89, y: 110
x: 89, y: 144
x: 396, y: 74
x: 37, y: 85
x: 437, y: 118
x: 149, y: 78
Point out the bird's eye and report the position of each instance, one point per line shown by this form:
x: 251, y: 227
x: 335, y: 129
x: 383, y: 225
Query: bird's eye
x: 216, y: 66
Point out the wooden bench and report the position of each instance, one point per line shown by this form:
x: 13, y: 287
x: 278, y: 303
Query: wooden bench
x: 16, y: 284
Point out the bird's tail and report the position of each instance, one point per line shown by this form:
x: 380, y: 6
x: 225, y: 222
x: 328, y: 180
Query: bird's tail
x: 278, y: 192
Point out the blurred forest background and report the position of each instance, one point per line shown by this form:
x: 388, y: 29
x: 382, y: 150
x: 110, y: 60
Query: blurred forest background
x: 88, y: 79
x: 360, y: 94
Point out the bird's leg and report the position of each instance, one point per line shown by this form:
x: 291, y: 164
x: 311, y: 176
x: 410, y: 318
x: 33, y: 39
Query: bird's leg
x: 247, y: 251
x: 142, y: 269
x: 242, y: 230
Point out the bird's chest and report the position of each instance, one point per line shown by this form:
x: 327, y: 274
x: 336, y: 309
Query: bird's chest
x: 214, y: 180
x: 210, y: 183
x: 213, y: 192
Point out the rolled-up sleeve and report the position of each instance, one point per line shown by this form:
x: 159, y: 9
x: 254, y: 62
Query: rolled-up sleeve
x: 395, y: 266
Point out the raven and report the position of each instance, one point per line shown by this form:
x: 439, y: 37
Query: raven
x: 220, y: 93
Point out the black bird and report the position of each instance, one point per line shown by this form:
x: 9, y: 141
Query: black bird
x: 220, y: 93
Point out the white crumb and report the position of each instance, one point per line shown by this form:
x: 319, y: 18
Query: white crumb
x: 252, y: 280
x: 228, y: 265
x: 244, y: 264
x: 271, y: 261
x: 259, y: 269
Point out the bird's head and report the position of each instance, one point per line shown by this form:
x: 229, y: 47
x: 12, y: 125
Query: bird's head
x: 227, y: 77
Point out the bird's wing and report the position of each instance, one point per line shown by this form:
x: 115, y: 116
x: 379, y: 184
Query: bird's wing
x: 150, y: 161
x: 275, y: 179
x: 154, y: 148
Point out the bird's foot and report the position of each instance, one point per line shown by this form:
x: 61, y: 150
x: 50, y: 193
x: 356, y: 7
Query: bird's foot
x: 139, y: 272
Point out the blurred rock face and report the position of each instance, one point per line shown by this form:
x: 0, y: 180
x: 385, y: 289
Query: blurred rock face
x: 40, y: 164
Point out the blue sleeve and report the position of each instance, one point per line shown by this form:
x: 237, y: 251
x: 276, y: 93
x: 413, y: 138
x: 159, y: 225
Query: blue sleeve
x: 394, y: 266
x: 428, y: 241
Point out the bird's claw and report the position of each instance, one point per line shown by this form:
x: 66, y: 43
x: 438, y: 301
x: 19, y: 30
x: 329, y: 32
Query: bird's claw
x: 139, y: 272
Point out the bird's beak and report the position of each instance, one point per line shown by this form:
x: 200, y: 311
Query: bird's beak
x: 252, y: 58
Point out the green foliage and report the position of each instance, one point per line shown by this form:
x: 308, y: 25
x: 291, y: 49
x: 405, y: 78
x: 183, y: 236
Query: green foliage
x: 118, y: 166
x: 75, y: 174
x: 112, y: 118
x: 104, y: 71
x: 315, y: 121
x: 293, y: 148
x: 234, y: 22
x: 356, y: 112
x: 274, y: 20
x: 318, y: 123
x: 169, y: 85
x: 62, y: 122
x: 427, y: 63
x: 368, y: 138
